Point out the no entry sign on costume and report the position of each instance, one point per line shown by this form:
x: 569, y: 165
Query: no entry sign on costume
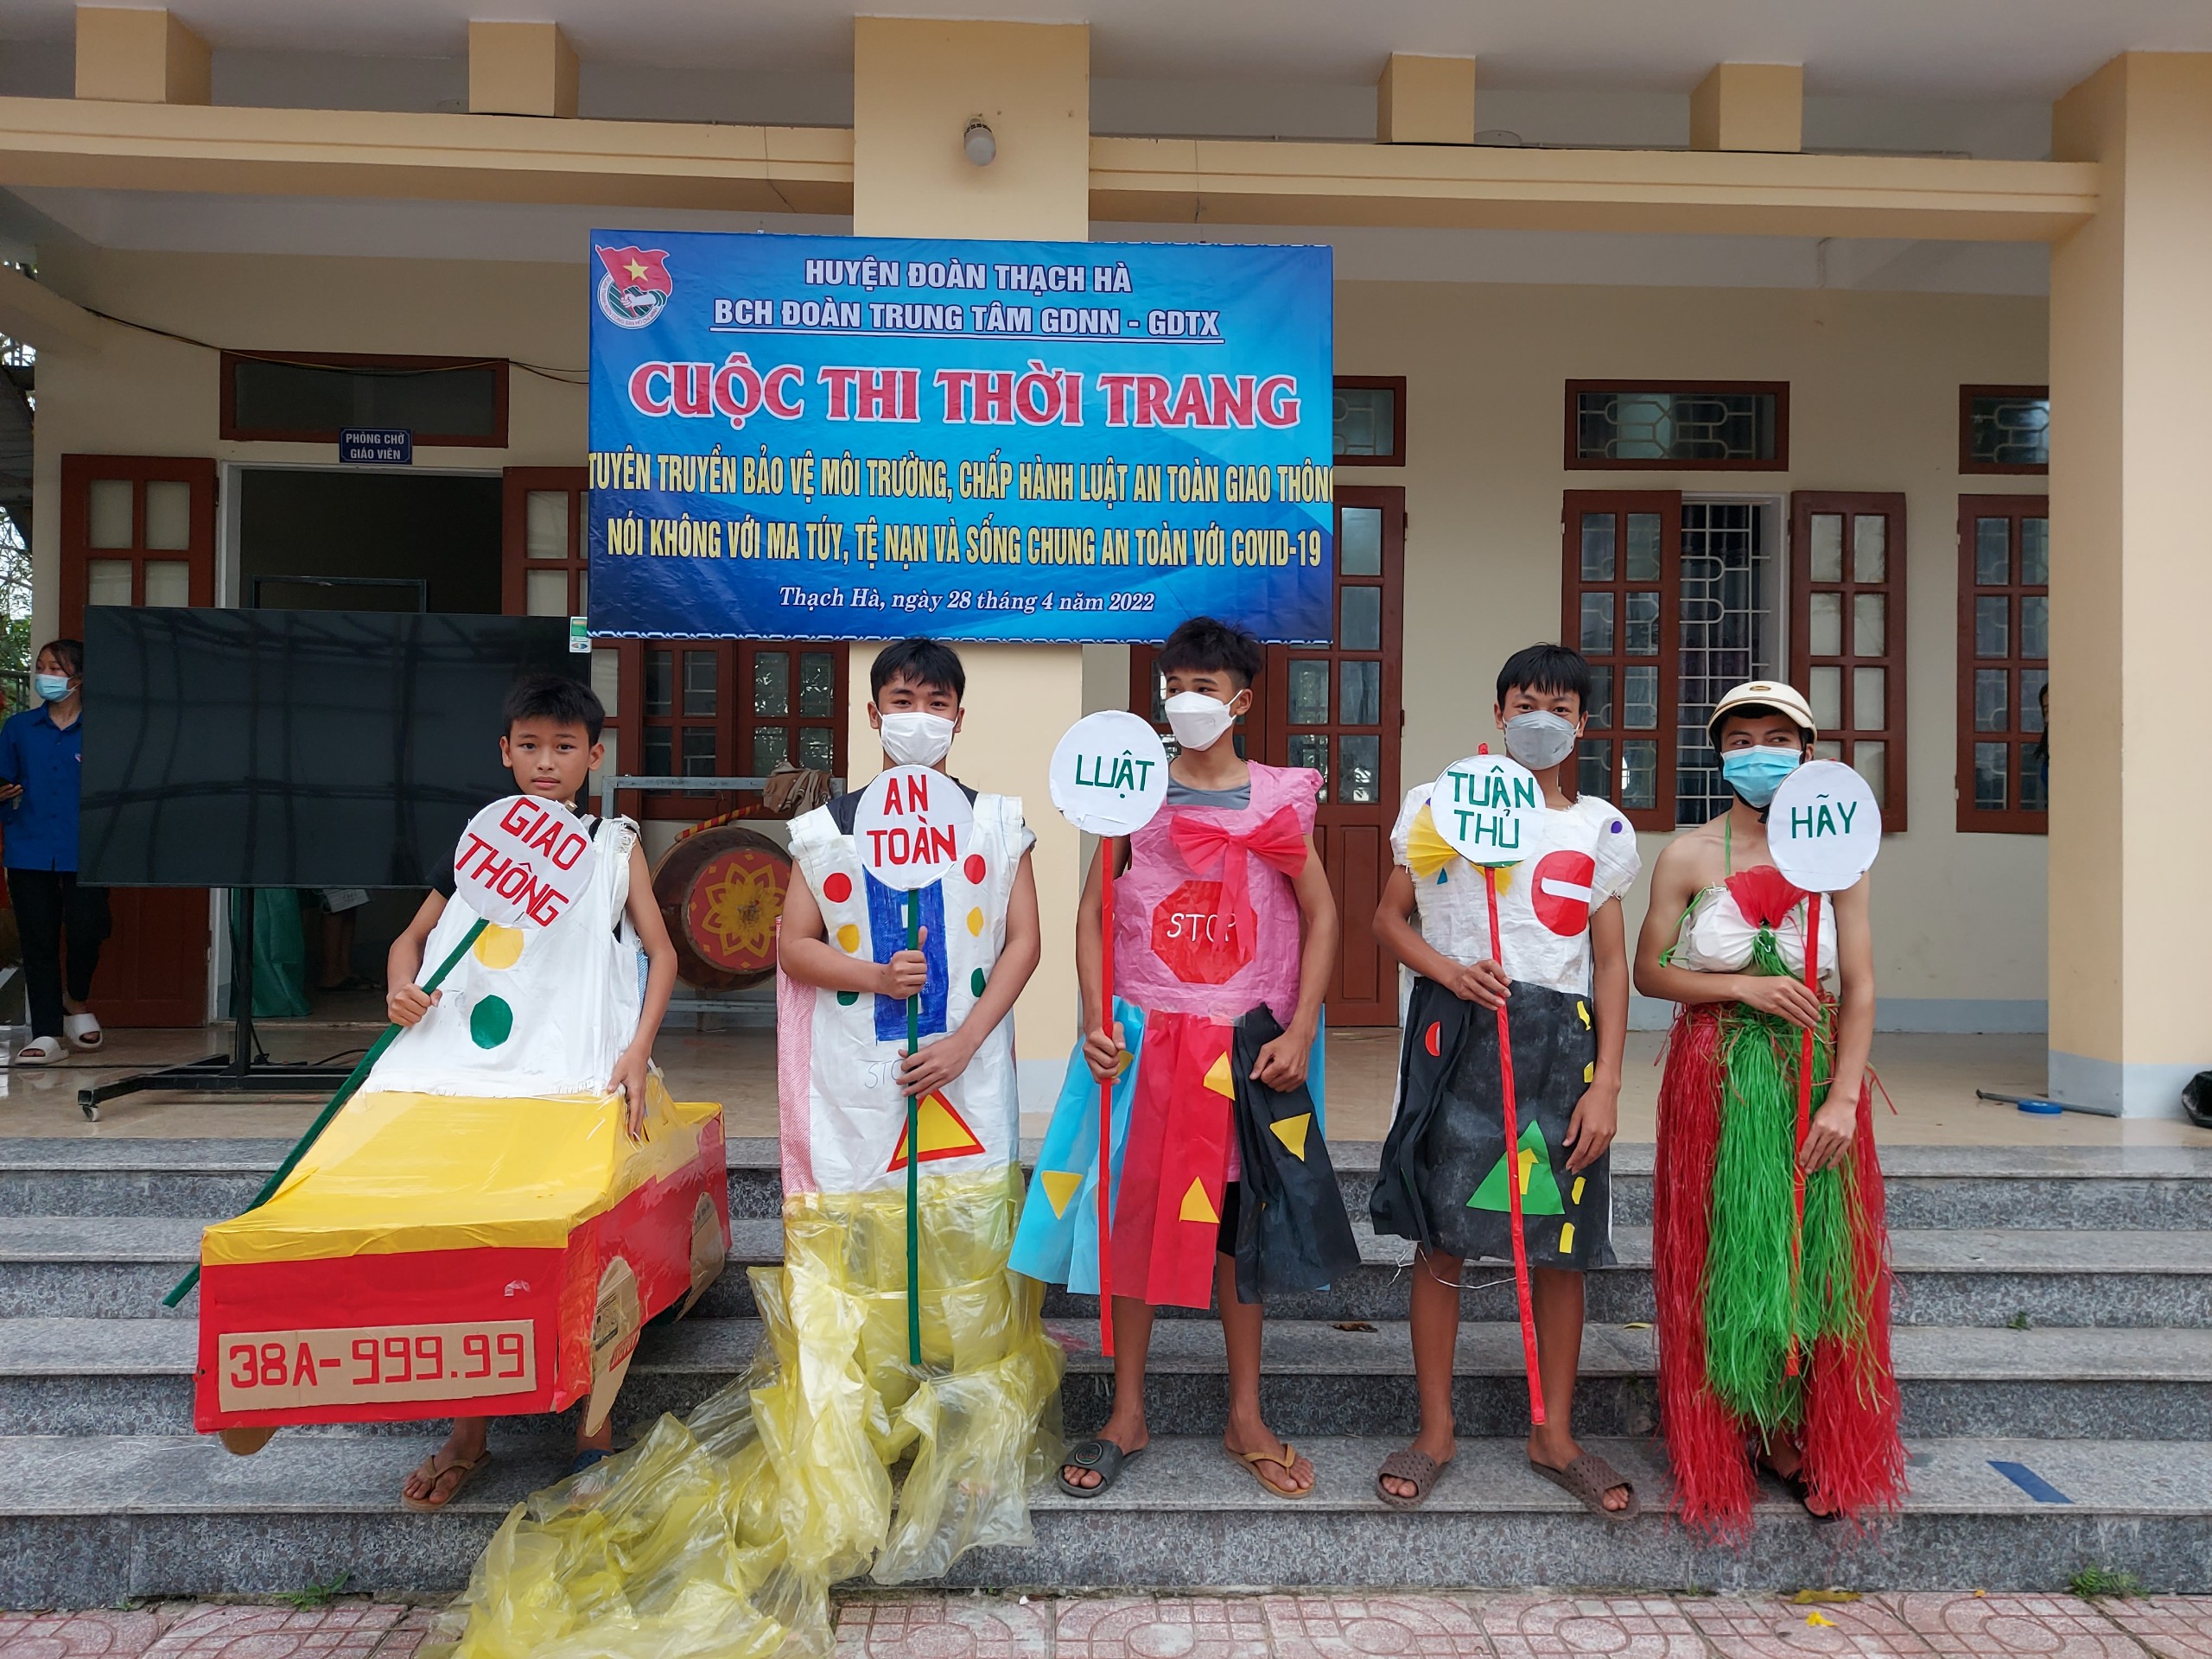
x: 858, y: 437
x: 522, y: 861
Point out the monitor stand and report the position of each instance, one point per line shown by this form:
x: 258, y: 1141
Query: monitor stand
x: 246, y: 1070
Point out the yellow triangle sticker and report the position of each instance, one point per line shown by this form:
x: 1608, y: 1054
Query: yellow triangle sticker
x: 1221, y: 1080
x: 1291, y: 1131
x: 1199, y: 1207
x: 944, y: 1135
x: 1059, y: 1186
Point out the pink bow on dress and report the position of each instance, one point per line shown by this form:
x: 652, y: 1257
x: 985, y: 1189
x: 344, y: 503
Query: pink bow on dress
x: 1208, y: 846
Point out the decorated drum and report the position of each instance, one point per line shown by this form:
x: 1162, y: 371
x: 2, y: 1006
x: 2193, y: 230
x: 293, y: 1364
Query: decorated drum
x: 721, y: 891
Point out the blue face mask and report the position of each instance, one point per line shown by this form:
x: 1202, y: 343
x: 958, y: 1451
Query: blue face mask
x: 51, y: 688
x: 1755, y: 774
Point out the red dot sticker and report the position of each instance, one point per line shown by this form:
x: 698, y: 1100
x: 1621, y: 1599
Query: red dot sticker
x: 973, y: 869
x: 836, y: 887
x: 1431, y: 1041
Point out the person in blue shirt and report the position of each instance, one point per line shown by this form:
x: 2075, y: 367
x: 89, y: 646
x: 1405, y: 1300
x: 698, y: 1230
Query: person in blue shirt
x: 41, y: 755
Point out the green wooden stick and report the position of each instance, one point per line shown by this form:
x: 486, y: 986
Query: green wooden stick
x: 914, y: 1154
x: 322, y: 1122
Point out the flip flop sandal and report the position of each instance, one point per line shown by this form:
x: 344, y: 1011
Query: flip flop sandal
x: 84, y: 1030
x: 1249, y: 1462
x: 1108, y: 1459
x: 1587, y: 1480
x: 590, y: 1455
x: 1410, y: 1465
x: 436, y: 1472
x: 1800, y: 1489
x: 39, y: 1051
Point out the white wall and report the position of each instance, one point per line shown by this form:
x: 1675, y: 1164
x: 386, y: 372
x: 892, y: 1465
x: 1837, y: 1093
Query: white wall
x: 1959, y: 920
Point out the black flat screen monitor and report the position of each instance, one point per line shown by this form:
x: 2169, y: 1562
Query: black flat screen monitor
x: 294, y: 749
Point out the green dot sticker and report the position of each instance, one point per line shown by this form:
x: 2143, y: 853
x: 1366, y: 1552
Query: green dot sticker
x: 846, y: 999
x: 490, y: 1022
x: 976, y: 983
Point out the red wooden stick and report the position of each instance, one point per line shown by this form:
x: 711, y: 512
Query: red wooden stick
x: 1804, y: 1123
x: 1105, y: 1179
x: 1513, y: 1171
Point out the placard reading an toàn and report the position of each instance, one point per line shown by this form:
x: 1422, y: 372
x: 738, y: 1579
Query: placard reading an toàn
x: 1489, y: 807
x: 1824, y: 828
x: 1110, y: 773
x: 522, y: 861
x: 912, y: 826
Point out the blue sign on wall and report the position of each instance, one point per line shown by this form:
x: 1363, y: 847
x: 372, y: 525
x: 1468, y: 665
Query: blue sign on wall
x: 376, y: 446
x: 859, y: 437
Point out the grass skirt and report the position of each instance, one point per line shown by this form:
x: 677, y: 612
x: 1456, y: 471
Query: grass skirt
x: 1721, y: 1226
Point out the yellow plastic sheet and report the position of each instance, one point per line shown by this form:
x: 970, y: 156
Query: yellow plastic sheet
x: 406, y: 1172
x: 721, y: 1533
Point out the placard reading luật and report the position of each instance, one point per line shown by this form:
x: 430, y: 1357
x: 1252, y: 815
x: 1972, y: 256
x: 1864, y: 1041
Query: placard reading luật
x: 862, y: 437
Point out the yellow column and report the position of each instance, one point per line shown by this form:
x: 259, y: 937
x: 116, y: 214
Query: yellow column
x: 917, y: 85
x: 2131, y: 683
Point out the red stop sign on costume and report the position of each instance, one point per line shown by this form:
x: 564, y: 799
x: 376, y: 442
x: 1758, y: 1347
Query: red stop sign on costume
x: 1562, y: 892
x: 1200, y: 946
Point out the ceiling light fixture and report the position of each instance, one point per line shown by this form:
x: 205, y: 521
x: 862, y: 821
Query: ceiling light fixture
x: 977, y: 143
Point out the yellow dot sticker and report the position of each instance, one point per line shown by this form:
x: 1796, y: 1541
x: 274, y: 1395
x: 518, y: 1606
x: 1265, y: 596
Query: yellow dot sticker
x: 975, y: 922
x: 849, y: 939
x: 499, y: 947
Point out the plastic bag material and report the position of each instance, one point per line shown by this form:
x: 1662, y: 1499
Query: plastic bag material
x: 721, y: 1534
x: 1292, y: 1231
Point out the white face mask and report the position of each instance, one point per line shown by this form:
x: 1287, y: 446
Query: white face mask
x: 913, y: 739
x: 1198, y: 720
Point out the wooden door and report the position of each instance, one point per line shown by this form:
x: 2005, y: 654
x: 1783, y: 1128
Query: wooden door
x: 1339, y: 708
x: 140, y: 530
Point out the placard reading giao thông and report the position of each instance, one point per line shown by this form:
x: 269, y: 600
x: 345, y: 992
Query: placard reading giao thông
x: 859, y: 437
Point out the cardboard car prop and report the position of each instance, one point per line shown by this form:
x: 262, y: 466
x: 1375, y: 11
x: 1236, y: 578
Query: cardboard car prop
x: 434, y: 1255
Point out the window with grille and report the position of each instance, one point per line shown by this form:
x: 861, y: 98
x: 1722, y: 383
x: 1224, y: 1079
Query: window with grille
x: 1847, y: 633
x: 1370, y: 421
x: 1697, y: 425
x: 2004, y: 429
x: 2004, y: 663
x: 311, y: 397
x: 1672, y: 601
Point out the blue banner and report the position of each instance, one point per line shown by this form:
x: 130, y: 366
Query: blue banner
x: 855, y: 437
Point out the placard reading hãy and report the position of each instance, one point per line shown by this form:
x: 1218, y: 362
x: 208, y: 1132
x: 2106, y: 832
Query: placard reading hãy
x: 1109, y: 775
x: 1489, y: 807
x: 807, y: 437
x: 522, y: 861
x: 1824, y: 827
x: 912, y: 826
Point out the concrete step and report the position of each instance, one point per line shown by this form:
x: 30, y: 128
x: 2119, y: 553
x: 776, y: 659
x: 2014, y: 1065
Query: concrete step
x: 134, y: 1377
x: 85, y: 1521
x: 121, y: 1267
x: 2049, y: 1188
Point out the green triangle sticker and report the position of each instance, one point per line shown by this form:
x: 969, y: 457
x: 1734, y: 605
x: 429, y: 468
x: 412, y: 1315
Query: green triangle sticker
x: 1539, y: 1192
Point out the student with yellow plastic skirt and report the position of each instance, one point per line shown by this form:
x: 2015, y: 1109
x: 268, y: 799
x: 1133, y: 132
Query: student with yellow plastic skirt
x: 722, y: 1535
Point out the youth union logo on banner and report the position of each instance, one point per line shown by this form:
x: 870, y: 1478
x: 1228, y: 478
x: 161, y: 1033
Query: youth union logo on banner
x: 637, y: 285
x: 862, y: 438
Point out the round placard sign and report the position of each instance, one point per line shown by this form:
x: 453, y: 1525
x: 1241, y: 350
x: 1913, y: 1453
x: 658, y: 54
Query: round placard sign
x: 911, y: 827
x: 522, y: 861
x: 1110, y: 773
x: 1489, y: 807
x: 1824, y: 827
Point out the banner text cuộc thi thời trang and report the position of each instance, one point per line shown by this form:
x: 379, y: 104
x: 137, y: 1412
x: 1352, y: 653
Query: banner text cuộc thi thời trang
x: 859, y: 437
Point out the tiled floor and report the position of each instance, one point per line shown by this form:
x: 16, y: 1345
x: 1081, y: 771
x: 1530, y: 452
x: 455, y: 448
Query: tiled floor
x: 1947, y: 1624
x: 1932, y: 1080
